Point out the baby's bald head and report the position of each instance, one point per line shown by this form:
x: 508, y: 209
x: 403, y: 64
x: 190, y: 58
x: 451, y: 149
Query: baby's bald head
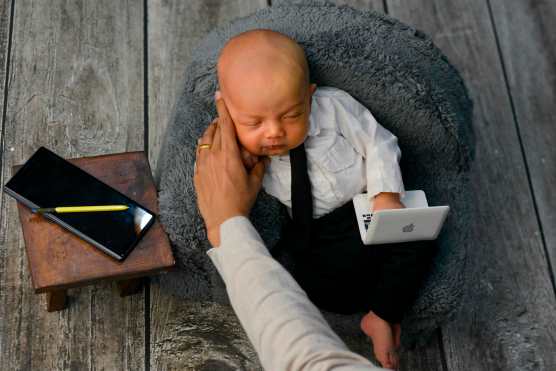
x: 256, y: 52
x: 264, y: 80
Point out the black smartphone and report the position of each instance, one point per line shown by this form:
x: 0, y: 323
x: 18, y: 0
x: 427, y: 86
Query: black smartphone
x: 48, y: 180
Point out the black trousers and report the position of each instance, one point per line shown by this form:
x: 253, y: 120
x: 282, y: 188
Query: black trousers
x: 340, y: 274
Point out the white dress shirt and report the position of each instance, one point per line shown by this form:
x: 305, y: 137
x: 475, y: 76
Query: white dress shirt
x: 348, y: 151
x: 287, y: 331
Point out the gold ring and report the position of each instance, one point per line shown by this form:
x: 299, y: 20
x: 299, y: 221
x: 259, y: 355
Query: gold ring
x: 203, y: 146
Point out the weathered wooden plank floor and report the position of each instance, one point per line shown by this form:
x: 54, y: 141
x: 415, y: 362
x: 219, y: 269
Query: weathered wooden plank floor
x: 87, y: 78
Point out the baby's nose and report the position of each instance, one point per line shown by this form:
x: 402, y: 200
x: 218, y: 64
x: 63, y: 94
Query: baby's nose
x: 275, y: 130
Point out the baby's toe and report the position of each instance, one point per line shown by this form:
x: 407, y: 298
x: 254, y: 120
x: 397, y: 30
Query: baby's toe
x: 394, y: 360
x: 387, y: 359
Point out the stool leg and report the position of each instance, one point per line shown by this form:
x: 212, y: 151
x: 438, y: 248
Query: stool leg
x: 56, y: 300
x: 130, y: 287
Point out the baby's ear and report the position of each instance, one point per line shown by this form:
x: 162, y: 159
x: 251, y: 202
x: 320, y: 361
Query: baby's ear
x: 313, y: 87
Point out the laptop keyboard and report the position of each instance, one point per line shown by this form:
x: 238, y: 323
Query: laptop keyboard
x: 367, y: 220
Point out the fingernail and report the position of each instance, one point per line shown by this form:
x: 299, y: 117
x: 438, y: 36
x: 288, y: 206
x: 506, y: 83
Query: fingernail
x: 217, y: 95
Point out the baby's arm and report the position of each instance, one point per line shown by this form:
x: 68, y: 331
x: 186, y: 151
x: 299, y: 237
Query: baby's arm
x: 378, y: 147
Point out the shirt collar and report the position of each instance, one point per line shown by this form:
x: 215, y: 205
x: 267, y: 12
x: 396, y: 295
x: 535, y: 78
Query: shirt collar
x: 314, y: 128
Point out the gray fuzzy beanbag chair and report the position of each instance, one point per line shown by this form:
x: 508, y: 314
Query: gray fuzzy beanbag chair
x: 408, y: 85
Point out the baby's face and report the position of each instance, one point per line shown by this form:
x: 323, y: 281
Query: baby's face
x: 270, y: 111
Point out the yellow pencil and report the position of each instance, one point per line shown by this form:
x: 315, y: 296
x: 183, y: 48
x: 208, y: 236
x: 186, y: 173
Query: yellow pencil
x: 79, y: 209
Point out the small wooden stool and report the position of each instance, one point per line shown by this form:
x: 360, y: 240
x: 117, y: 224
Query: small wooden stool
x: 59, y: 260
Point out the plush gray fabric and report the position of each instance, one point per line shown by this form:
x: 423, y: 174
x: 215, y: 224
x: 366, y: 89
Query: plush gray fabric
x: 408, y: 85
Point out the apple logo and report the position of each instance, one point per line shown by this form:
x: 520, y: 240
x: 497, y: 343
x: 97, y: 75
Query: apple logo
x: 408, y: 228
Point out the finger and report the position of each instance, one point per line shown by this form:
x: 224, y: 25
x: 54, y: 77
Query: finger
x: 197, y: 184
x: 211, y: 130
x: 206, y: 138
x: 226, y: 125
x: 246, y: 159
x: 249, y: 160
x: 244, y: 154
x: 252, y: 161
x: 217, y: 139
x: 196, y: 180
x: 256, y: 175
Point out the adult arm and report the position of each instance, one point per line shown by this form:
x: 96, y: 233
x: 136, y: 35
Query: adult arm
x: 287, y: 331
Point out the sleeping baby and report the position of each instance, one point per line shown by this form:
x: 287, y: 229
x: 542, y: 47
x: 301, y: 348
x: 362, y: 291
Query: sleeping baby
x: 324, y: 148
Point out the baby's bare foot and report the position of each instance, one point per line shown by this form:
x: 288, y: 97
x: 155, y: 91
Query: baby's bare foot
x: 382, y: 336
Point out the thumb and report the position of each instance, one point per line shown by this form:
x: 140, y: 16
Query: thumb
x: 257, y: 173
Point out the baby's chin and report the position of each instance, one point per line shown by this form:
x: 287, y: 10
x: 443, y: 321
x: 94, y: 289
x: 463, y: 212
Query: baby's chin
x: 274, y: 150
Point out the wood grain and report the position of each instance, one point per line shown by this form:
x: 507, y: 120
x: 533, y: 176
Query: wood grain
x: 5, y: 20
x: 75, y: 86
x: 5, y: 6
x: 507, y: 321
x: 184, y: 334
x: 527, y: 39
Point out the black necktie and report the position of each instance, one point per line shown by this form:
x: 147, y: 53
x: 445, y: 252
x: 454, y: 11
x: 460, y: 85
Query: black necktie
x: 302, y: 199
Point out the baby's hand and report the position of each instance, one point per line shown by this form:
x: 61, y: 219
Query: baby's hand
x: 249, y: 159
x: 387, y: 200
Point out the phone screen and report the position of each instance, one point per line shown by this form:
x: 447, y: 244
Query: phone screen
x: 47, y: 180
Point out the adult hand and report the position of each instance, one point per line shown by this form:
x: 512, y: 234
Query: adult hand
x: 224, y: 187
x: 249, y: 160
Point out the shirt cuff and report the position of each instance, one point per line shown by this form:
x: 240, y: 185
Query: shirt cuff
x: 237, y: 236
x: 394, y: 186
x: 383, y: 170
x: 373, y: 191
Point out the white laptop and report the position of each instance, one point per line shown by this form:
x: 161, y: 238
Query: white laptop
x: 418, y: 221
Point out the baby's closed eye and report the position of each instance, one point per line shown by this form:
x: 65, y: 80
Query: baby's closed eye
x: 294, y: 115
x: 257, y: 123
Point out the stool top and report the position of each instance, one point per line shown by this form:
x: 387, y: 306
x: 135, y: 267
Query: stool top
x: 58, y: 259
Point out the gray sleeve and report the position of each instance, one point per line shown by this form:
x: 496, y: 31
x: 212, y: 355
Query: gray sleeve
x: 287, y: 331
